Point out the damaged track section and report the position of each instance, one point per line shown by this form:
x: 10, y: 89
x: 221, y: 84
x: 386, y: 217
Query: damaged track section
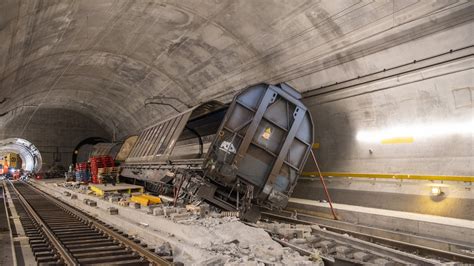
x: 342, y: 247
x: 60, y: 234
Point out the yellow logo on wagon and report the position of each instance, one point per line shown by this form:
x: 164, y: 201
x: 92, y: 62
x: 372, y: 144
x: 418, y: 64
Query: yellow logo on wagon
x: 267, y: 133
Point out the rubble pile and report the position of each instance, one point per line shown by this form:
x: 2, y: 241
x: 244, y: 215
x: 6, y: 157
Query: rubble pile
x: 216, y: 238
x: 235, y: 243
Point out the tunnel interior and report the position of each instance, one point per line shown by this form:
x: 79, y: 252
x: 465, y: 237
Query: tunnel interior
x: 389, y: 86
x: 389, y: 90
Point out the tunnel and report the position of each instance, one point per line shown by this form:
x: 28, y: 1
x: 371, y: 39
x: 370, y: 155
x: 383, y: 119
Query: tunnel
x: 30, y: 155
x: 181, y: 122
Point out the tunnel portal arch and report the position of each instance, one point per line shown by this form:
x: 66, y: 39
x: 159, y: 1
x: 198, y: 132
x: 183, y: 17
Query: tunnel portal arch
x: 29, y: 154
x: 90, y: 141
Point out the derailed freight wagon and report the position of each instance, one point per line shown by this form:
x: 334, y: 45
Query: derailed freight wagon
x: 119, y: 151
x: 239, y: 156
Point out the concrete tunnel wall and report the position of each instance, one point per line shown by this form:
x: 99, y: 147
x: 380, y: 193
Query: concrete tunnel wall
x: 433, y: 104
x: 436, y: 138
x: 444, y: 101
x: 431, y: 100
x: 124, y: 52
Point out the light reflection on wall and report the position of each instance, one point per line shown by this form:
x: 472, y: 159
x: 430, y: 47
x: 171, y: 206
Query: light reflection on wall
x: 415, y: 131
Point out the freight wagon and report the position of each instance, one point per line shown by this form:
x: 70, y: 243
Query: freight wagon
x: 240, y: 156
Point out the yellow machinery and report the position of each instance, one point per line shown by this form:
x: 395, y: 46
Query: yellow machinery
x: 10, y: 160
x: 101, y: 189
x: 145, y: 200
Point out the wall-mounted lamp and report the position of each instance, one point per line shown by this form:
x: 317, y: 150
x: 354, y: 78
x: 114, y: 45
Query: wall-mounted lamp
x: 436, y: 191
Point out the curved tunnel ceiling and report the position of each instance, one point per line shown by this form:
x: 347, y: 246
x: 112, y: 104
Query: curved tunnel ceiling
x: 105, y: 58
x: 29, y: 154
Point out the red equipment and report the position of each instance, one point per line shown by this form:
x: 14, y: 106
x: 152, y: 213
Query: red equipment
x: 100, y: 162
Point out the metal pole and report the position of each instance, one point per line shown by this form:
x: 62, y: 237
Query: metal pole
x: 324, y: 186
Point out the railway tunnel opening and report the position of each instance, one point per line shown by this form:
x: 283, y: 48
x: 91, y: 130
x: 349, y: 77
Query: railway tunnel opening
x: 28, y: 157
x: 83, y: 149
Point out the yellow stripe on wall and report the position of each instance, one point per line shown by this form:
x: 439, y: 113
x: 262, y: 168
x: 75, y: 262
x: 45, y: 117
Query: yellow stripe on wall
x: 398, y: 140
x: 392, y: 176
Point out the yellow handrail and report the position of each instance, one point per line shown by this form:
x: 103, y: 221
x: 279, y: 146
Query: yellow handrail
x: 392, y: 176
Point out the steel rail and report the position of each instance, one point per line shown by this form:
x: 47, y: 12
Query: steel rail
x: 144, y: 252
x: 63, y: 252
x: 422, y: 250
x: 405, y: 237
x: 422, y: 245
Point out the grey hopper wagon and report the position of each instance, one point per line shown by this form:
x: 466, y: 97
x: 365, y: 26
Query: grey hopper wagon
x: 239, y: 156
x: 119, y: 151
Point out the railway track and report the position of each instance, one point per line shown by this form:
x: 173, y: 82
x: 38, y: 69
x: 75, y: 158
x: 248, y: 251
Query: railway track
x: 343, y: 246
x: 62, y: 235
